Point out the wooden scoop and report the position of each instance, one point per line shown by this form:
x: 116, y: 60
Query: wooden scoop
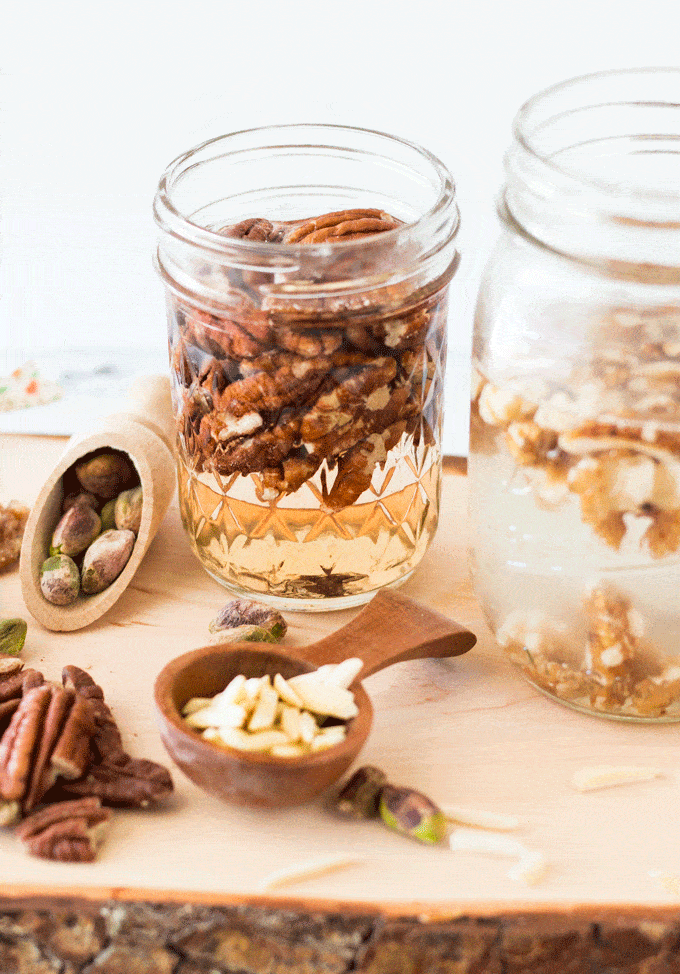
x: 390, y: 629
x: 145, y: 432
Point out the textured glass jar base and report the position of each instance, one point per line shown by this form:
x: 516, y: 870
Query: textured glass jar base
x: 291, y: 552
x: 324, y: 604
x: 583, y: 707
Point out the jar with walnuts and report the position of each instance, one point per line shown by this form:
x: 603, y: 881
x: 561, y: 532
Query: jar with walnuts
x: 575, y: 425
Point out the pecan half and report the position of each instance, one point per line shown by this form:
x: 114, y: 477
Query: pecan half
x: 7, y: 708
x: 114, y: 776
x: 366, y: 390
x: 400, y: 406
x: 19, y: 683
x: 356, y: 466
x: 341, y: 224
x: 87, y: 808
x: 20, y: 742
x: 71, y: 752
x: 222, y: 337
x: 42, y: 775
x: 266, y: 449
x: 261, y: 392
x: 48, y: 735
x: 308, y: 343
x: 106, y: 740
x: 67, y: 831
x: 255, y: 228
x: 137, y: 783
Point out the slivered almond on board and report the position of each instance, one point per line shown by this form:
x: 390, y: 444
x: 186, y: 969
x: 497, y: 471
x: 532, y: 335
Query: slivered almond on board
x: 308, y: 870
x: 609, y: 775
x: 480, y: 819
x: 529, y: 869
x: 531, y: 864
x: 669, y: 881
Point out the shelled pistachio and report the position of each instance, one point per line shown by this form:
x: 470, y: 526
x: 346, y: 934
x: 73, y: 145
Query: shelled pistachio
x: 105, y: 474
x: 60, y: 580
x: 76, y: 530
x: 12, y: 636
x: 105, y: 559
x: 128, y: 510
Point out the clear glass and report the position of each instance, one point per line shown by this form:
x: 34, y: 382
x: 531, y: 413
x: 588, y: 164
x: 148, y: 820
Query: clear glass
x: 575, y: 428
x: 308, y: 369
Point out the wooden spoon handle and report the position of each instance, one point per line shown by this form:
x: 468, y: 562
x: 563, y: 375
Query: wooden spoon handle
x: 390, y: 629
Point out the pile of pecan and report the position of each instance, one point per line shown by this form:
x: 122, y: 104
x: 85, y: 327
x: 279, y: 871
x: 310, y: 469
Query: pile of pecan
x: 609, y: 435
x: 62, y: 761
x: 275, y: 386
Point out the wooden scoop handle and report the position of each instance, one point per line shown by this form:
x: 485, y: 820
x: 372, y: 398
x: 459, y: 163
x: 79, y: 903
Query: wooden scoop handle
x: 390, y: 629
x: 149, y: 401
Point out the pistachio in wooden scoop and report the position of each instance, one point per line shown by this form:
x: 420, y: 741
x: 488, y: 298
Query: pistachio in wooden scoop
x: 131, y: 451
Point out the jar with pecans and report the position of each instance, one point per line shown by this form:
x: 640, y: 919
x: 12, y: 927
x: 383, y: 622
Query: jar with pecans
x: 306, y: 270
x: 575, y: 430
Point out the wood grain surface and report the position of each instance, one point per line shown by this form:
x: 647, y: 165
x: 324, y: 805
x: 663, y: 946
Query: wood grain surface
x: 467, y: 731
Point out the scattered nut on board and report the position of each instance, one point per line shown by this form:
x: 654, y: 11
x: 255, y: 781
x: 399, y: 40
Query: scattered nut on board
x: 12, y: 636
x: 531, y: 864
x: 243, y: 620
x: 282, y: 718
x: 607, y: 776
x: 308, y: 870
x: 670, y: 882
x: 480, y: 819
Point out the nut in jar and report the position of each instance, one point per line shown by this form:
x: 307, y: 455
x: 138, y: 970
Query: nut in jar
x: 307, y: 351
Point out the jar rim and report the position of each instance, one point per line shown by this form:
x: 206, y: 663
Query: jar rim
x: 171, y: 220
x: 527, y: 122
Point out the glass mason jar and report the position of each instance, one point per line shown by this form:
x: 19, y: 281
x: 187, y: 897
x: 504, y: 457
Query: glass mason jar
x: 306, y: 270
x: 575, y: 426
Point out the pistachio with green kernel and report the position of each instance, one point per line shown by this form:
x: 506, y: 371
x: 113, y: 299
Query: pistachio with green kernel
x: 105, y: 559
x: 76, y: 531
x: 12, y: 636
x: 105, y: 475
x: 128, y: 510
x: 242, y: 616
x: 60, y: 580
x: 413, y: 814
x: 108, y: 515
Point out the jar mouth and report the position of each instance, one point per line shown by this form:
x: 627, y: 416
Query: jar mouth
x: 601, y: 131
x: 176, y: 214
x: 593, y: 172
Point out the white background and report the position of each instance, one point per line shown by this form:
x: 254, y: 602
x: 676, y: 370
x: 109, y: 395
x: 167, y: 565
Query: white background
x: 96, y: 99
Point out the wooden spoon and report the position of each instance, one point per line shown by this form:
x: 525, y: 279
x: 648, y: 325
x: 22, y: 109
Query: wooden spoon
x: 390, y: 629
x: 145, y: 432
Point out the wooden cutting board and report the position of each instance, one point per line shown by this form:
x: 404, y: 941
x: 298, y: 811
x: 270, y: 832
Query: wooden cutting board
x: 467, y: 731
